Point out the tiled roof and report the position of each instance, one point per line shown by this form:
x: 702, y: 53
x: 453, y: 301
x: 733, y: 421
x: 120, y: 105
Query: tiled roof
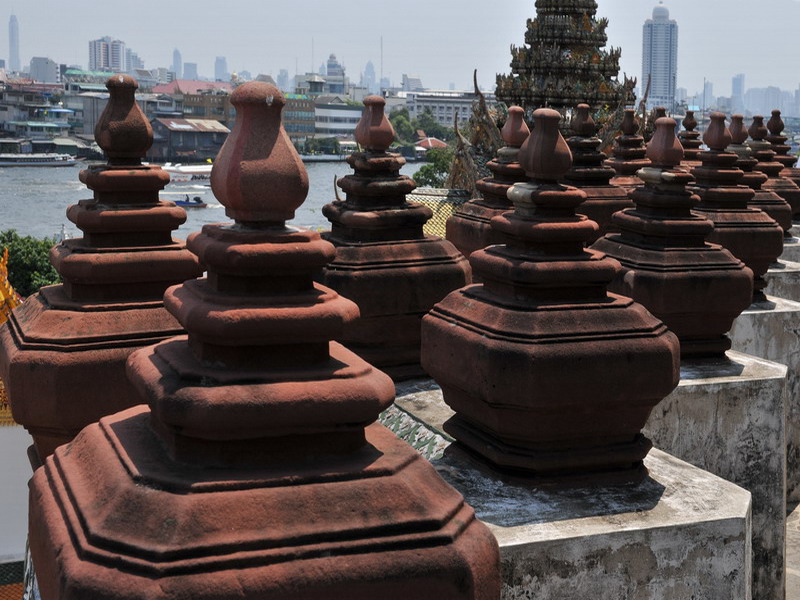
x: 201, y: 125
x: 190, y: 86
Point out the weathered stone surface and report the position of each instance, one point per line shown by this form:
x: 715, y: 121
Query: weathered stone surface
x: 695, y: 287
x: 629, y: 154
x: 110, y: 302
x: 682, y: 533
x: 257, y: 472
x: 589, y: 174
x: 500, y: 349
x: 727, y: 417
x: 384, y: 262
x: 469, y: 228
x: 771, y: 330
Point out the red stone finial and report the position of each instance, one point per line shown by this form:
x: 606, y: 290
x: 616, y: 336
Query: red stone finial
x: 665, y: 150
x: 515, y: 131
x: 630, y: 124
x: 738, y: 129
x: 582, y: 123
x: 374, y: 132
x: 689, y: 122
x: 123, y: 132
x: 775, y: 123
x: 545, y: 155
x: 758, y: 131
x: 661, y: 112
x: 260, y: 179
x: 717, y: 136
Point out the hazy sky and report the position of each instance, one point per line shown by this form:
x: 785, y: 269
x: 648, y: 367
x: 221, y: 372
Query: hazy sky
x: 440, y: 40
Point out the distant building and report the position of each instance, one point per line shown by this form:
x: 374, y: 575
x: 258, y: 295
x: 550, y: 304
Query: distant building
x: 298, y: 117
x: 221, y: 69
x: 412, y: 83
x: 182, y: 140
x: 107, y: 54
x: 201, y: 99
x: 660, y: 58
x: 189, y: 71
x: 14, y: 63
x: 443, y: 104
x: 336, y: 82
x: 283, y: 80
x: 132, y: 61
x: 44, y: 70
x: 177, y: 64
x: 368, y: 79
x: 737, y: 93
x: 709, y: 100
x: 386, y: 83
x: 335, y: 117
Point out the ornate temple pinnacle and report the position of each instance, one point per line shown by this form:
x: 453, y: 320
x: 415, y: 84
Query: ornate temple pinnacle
x: 374, y: 132
x: 515, y: 131
x: 545, y: 155
x: 689, y: 122
x: 258, y: 175
x: 717, y: 137
x: 123, y: 132
x: 665, y: 150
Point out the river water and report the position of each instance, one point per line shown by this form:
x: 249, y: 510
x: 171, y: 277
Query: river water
x: 34, y: 200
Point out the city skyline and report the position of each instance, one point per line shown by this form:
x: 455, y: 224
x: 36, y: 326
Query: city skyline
x: 156, y: 30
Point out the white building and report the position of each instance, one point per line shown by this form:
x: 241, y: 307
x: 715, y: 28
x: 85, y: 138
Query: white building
x: 44, y: 70
x: 660, y: 58
x: 107, y: 54
x: 333, y: 116
x: 443, y: 104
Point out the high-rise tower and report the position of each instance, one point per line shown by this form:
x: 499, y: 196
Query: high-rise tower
x: 660, y: 58
x: 13, y: 44
x: 177, y: 64
x: 221, y: 69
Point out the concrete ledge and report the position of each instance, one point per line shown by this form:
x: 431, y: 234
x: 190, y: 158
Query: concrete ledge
x: 791, y: 249
x: 783, y: 280
x: 681, y: 533
x: 727, y: 417
x: 771, y: 330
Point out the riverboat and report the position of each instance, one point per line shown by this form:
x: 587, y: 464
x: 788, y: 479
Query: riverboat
x: 37, y: 160
x: 178, y: 172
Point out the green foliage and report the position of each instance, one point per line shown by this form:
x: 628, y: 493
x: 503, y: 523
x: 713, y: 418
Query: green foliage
x: 404, y: 129
x: 434, y: 173
x: 432, y: 128
x: 29, y: 265
x: 322, y: 146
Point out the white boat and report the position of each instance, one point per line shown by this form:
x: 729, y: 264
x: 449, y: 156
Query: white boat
x: 179, y: 172
x: 37, y: 160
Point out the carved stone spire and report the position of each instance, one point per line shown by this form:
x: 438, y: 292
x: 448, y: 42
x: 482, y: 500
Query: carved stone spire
x: 766, y: 200
x: 629, y: 153
x: 690, y: 140
x: 762, y: 150
x: 257, y: 472
x: 751, y: 235
x: 384, y: 262
x: 542, y: 304
x: 110, y: 301
x: 695, y: 287
x: 775, y: 125
x: 590, y: 175
x: 469, y: 228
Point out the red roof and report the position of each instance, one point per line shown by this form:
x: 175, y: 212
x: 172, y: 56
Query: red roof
x: 429, y: 143
x: 190, y: 86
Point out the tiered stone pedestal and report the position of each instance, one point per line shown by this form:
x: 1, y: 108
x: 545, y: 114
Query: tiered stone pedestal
x: 770, y: 330
x: 791, y: 249
x: 681, y: 533
x: 727, y: 417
